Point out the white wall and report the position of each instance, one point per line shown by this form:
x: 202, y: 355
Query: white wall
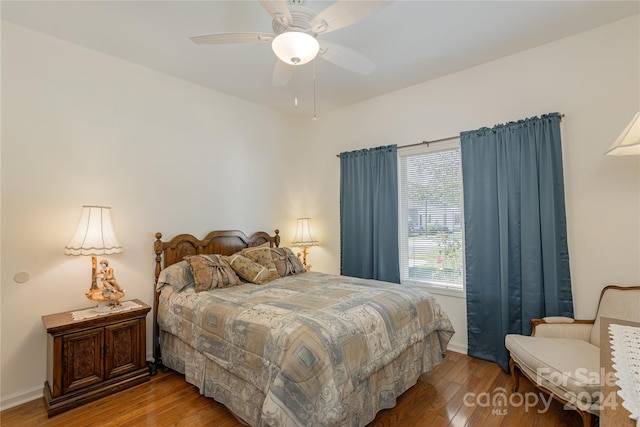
x: 593, y: 78
x: 79, y: 127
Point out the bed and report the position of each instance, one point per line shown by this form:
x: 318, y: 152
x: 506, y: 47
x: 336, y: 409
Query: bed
x: 306, y: 349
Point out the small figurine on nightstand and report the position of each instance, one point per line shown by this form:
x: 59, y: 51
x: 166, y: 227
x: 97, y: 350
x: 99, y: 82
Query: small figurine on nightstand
x: 108, y: 279
x: 107, y: 295
x: 303, y: 260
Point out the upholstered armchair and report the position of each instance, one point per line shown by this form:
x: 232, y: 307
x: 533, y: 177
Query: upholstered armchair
x: 562, y: 355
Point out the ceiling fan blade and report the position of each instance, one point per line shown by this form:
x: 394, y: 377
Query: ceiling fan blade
x: 343, y: 13
x: 346, y: 58
x: 282, y: 73
x: 278, y: 10
x: 227, y: 38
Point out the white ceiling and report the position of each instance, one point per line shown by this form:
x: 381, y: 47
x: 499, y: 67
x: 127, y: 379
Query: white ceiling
x: 410, y: 41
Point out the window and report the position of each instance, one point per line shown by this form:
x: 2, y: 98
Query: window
x: 431, y: 217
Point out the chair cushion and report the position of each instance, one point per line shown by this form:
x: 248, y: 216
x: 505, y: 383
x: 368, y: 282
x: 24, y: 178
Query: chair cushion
x: 570, y: 368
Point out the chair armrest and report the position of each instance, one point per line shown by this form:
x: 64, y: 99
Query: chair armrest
x: 562, y: 327
x: 558, y: 319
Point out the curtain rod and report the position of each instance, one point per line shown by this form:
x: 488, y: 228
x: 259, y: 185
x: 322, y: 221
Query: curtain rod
x: 429, y: 142
x: 436, y: 140
x: 423, y: 143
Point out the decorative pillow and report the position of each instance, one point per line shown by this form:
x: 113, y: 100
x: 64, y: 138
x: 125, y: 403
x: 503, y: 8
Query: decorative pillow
x: 177, y: 275
x: 286, y: 262
x: 211, y: 271
x: 261, y: 255
x: 249, y: 270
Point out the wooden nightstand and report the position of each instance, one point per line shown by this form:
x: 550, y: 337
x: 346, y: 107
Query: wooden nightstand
x: 95, y: 357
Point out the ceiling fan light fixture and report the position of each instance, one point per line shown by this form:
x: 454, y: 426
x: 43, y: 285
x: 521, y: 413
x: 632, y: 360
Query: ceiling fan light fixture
x: 295, y: 47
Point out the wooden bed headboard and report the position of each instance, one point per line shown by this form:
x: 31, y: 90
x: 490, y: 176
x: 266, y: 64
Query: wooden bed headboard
x: 223, y: 242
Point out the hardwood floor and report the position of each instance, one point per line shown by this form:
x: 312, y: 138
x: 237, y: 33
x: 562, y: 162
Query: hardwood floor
x: 459, y: 392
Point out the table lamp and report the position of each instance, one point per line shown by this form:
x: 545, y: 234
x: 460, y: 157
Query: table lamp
x: 304, y: 239
x: 95, y: 236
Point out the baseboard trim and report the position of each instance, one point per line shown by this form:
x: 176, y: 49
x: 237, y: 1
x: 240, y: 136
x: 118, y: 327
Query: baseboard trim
x: 457, y: 348
x: 20, y: 398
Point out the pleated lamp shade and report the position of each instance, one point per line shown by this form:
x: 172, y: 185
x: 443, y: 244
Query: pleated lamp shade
x: 303, y: 235
x: 95, y: 234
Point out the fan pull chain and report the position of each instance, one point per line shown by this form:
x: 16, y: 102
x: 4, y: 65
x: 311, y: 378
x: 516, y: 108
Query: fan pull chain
x: 295, y: 82
x: 314, y: 91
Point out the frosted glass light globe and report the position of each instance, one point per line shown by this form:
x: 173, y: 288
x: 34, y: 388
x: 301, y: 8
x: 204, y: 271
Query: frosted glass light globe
x: 295, y: 48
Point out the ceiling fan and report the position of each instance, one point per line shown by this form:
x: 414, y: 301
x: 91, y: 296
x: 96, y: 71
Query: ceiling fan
x: 295, y: 35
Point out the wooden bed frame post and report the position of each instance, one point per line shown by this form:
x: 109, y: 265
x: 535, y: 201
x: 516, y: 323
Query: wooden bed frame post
x: 157, y: 358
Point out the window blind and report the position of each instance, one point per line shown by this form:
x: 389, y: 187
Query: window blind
x: 431, y: 216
